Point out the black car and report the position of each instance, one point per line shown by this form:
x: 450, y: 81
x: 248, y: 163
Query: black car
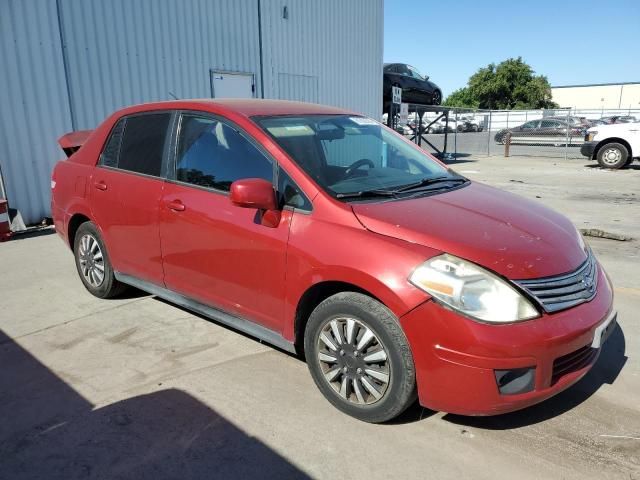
x: 416, y: 88
x: 543, y: 131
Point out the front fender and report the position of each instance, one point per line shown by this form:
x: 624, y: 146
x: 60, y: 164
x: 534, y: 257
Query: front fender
x: 376, y: 264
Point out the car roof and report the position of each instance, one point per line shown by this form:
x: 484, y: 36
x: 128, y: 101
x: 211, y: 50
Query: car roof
x: 243, y: 106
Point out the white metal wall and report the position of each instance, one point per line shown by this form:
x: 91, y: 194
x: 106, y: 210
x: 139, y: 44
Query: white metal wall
x: 337, y: 42
x: 67, y: 64
x: 123, y: 52
x: 33, y: 103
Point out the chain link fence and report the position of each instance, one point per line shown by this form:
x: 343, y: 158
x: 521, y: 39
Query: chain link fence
x: 459, y: 132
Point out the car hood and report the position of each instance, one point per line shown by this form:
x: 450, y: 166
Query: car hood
x: 611, y: 129
x: 513, y: 236
x: 432, y: 85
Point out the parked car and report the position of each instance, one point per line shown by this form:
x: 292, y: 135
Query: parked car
x: 614, y: 146
x: 471, y: 123
x: 416, y: 88
x: 571, y: 120
x: 545, y: 130
x: 442, y: 125
x: 323, y: 233
x: 468, y: 125
x: 619, y: 119
x: 404, y: 129
x: 596, y: 122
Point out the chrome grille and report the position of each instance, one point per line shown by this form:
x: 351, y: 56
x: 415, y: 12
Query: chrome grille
x: 564, y: 291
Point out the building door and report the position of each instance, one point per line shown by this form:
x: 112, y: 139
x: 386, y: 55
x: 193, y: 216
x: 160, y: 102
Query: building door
x: 232, y: 85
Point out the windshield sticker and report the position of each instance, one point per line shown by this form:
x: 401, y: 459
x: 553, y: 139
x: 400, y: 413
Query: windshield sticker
x: 297, y: 128
x: 363, y: 121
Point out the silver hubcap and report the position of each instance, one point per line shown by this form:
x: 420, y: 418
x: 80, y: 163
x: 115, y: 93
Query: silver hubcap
x: 91, y: 260
x: 353, y: 360
x: 611, y: 156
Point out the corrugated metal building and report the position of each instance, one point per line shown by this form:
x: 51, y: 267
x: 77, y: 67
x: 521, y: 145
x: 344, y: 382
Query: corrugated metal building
x: 67, y: 64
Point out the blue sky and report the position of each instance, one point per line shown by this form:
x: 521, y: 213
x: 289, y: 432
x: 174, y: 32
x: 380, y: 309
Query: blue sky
x: 569, y: 41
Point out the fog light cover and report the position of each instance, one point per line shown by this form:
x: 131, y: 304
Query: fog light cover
x: 515, y: 381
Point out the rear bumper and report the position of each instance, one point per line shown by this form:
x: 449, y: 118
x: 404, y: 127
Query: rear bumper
x: 588, y: 148
x: 60, y: 221
x: 457, y: 359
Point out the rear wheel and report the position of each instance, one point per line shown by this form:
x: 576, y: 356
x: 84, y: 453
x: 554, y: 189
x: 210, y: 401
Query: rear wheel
x: 359, y: 357
x: 613, y: 155
x: 92, y: 263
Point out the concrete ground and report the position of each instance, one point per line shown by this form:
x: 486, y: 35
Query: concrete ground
x: 137, y: 388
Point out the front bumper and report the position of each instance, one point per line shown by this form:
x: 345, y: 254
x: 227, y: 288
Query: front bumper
x: 588, y: 148
x: 457, y: 359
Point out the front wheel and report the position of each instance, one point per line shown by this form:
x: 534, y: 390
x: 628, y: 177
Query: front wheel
x: 613, y: 155
x: 360, y: 358
x: 437, y: 98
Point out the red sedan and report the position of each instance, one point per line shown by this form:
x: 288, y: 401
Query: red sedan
x: 325, y: 233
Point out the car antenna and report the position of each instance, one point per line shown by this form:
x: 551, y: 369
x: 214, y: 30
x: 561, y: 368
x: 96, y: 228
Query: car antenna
x: 174, y: 97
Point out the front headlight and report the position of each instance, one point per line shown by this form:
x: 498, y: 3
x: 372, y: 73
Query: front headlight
x: 472, y: 290
x: 591, y: 135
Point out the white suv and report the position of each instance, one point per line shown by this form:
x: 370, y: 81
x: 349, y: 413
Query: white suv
x: 614, y: 146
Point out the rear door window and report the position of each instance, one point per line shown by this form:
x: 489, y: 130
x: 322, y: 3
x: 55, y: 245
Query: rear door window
x: 550, y: 124
x: 143, y: 143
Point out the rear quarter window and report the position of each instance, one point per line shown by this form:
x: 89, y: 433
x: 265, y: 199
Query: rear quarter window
x: 109, y: 156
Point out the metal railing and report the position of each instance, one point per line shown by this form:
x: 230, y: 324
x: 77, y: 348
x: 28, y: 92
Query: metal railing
x: 458, y: 132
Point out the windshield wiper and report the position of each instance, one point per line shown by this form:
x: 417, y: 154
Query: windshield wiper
x: 367, y: 193
x: 429, y: 181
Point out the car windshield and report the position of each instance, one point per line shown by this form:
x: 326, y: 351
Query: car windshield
x: 415, y: 73
x: 347, y: 155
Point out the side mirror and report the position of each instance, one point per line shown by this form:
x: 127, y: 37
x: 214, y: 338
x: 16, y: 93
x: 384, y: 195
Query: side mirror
x: 253, y: 193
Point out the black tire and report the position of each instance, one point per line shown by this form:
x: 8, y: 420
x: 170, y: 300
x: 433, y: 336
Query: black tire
x: 400, y: 390
x: 437, y: 98
x: 108, y: 287
x: 613, y: 155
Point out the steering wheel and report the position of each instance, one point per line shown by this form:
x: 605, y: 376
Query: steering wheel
x: 356, y: 165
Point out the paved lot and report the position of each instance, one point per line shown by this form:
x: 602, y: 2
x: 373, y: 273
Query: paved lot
x: 137, y: 388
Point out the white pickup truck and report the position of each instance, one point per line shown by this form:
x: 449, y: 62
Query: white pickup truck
x: 614, y: 146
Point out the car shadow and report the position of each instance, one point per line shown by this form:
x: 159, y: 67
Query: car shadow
x: 132, y: 292
x: 633, y: 166
x: 33, y: 232
x: 609, y: 365
x: 49, y: 430
x: 238, y: 332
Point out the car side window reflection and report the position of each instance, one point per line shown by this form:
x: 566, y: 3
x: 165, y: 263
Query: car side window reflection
x: 289, y: 194
x: 213, y: 154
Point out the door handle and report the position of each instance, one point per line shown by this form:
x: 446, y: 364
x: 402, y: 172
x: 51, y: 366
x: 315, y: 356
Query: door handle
x: 176, y: 206
x: 100, y: 185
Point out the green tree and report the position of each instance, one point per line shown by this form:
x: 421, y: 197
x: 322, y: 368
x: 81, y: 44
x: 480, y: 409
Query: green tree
x: 461, y: 98
x: 512, y: 84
